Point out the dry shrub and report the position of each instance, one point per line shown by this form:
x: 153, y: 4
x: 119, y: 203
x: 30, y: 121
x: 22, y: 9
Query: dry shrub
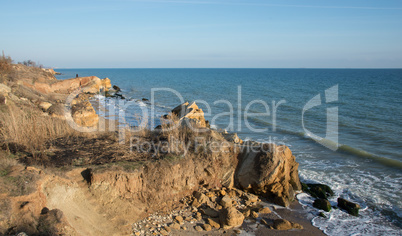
x: 29, y: 129
x: 5, y: 67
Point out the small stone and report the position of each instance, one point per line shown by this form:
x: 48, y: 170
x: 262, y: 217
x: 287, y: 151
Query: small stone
x: 282, y: 224
x: 264, y: 210
x: 207, y: 227
x: 264, y: 222
x: 210, y: 212
x: 137, y: 233
x: 246, y: 213
x: 198, y: 228
x: 254, y: 214
x: 226, y: 202
x: 214, y: 222
x: 237, y: 231
x: 164, y: 232
x: 296, y: 225
x: 183, y: 228
x: 223, y: 192
x: 167, y: 228
x: 174, y: 225
x: 179, y: 219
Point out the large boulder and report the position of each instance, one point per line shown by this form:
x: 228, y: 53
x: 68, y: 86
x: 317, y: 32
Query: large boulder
x: 269, y: 170
x: 192, y: 112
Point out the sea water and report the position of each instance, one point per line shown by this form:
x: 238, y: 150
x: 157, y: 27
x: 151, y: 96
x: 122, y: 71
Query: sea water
x: 343, y: 125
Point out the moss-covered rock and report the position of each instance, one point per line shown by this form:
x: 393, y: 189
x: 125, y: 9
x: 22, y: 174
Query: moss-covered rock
x: 351, y: 207
x: 322, y: 204
x: 317, y: 190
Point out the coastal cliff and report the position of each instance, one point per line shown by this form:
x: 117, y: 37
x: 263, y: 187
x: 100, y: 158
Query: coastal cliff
x: 94, y: 173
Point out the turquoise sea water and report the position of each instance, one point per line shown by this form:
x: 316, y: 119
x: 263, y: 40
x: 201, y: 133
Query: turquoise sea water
x: 366, y: 167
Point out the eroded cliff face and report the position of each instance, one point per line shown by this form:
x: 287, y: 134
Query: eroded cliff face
x: 270, y: 171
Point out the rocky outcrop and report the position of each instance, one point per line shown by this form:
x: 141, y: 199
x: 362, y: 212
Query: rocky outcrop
x: 90, y: 84
x: 190, y: 112
x: 51, y: 71
x: 270, y: 171
x: 84, y: 114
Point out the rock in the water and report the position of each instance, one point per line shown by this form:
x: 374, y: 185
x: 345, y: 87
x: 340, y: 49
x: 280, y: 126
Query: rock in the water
x: 318, y: 190
x: 322, y: 204
x: 116, y: 88
x: 351, y: 207
x: 270, y: 171
x: 231, y: 217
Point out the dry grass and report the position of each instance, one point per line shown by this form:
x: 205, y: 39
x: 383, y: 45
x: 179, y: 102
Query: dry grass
x: 27, y: 129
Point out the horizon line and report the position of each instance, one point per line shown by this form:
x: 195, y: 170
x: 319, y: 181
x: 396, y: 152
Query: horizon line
x: 68, y: 68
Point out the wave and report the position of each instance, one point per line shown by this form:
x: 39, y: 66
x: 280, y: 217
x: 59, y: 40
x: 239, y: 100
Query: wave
x: 342, y: 148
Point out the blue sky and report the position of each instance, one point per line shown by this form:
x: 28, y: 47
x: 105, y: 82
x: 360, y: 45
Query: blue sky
x: 204, y: 33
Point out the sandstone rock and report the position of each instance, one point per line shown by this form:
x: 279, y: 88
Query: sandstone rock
x: 270, y: 171
x: 226, y: 201
x: 207, y: 227
x: 174, y: 225
x: 191, y: 112
x: 45, y: 105
x: 296, y: 225
x: 246, y: 213
x: 167, y: 228
x: 210, y: 212
x: 264, y: 210
x: 202, y: 198
x: 179, y: 219
x: 351, y: 207
x: 214, y: 222
x: 282, y: 224
x: 105, y: 84
x: 322, y: 204
x: 254, y: 214
x: 230, y: 217
x: 233, y: 138
x: 198, y: 228
x: 251, y: 197
x: 84, y: 114
x: 198, y: 216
